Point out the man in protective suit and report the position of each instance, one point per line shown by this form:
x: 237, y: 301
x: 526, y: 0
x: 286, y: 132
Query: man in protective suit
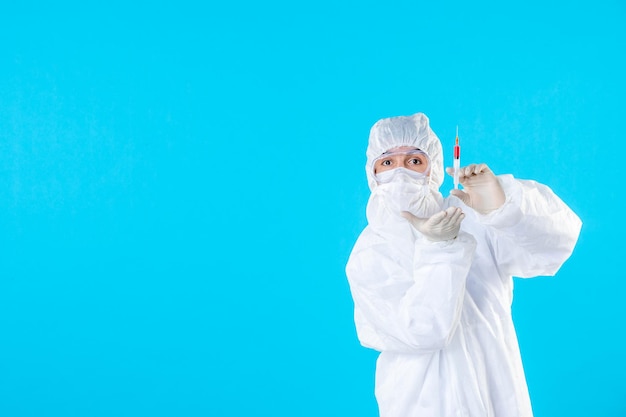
x: 431, y: 277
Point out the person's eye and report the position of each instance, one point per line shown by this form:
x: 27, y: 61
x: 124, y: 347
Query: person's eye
x: 415, y: 161
x: 385, y: 163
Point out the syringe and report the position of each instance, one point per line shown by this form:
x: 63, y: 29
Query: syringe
x: 457, y: 160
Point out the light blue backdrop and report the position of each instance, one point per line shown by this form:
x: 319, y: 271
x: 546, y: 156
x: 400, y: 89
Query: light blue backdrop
x: 181, y: 185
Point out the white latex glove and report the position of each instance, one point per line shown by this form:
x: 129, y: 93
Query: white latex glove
x: 481, y: 189
x: 441, y: 226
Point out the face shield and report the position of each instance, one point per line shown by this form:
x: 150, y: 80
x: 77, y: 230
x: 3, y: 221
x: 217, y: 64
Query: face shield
x: 400, y: 164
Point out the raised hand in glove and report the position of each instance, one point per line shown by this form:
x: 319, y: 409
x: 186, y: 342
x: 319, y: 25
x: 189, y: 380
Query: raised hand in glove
x: 441, y: 226
x: 481, y: 189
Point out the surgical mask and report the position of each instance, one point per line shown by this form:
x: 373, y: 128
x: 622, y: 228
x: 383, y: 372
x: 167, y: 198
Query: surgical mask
x: 401, y: 175
x: 407, y: 192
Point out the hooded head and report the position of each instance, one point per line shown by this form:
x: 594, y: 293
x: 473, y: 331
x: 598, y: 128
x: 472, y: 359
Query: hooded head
x: 395, y: 132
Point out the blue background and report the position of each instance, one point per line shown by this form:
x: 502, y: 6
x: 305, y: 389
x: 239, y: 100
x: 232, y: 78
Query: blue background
x: 181, y: 185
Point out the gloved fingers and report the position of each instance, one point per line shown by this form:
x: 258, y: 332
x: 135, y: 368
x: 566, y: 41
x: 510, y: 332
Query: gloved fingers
x: 443, y: 225
x: 461, y: 195
x: 457, y: 221
x: 450, y: 212
x: 471, y: 170
x: 449, y: 216
x: 457, y: 216
x: 437, y: 218
x: 467, y: 171
x: 453, y: 218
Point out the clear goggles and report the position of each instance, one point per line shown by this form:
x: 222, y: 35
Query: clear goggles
x: 414, y: 162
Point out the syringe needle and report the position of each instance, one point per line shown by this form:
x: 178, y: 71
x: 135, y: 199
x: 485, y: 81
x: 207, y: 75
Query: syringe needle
x: 457, y: 159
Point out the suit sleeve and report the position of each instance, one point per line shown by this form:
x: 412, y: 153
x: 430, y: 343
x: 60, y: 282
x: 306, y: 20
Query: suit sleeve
x: 534, y: 232
x: 408, y: 305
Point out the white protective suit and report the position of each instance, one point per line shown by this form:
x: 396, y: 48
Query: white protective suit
x: 440, y: 312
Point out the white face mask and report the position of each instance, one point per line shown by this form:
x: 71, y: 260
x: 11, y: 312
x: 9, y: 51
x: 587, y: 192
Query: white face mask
x: 401, y: 189
x: 400, y: 175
